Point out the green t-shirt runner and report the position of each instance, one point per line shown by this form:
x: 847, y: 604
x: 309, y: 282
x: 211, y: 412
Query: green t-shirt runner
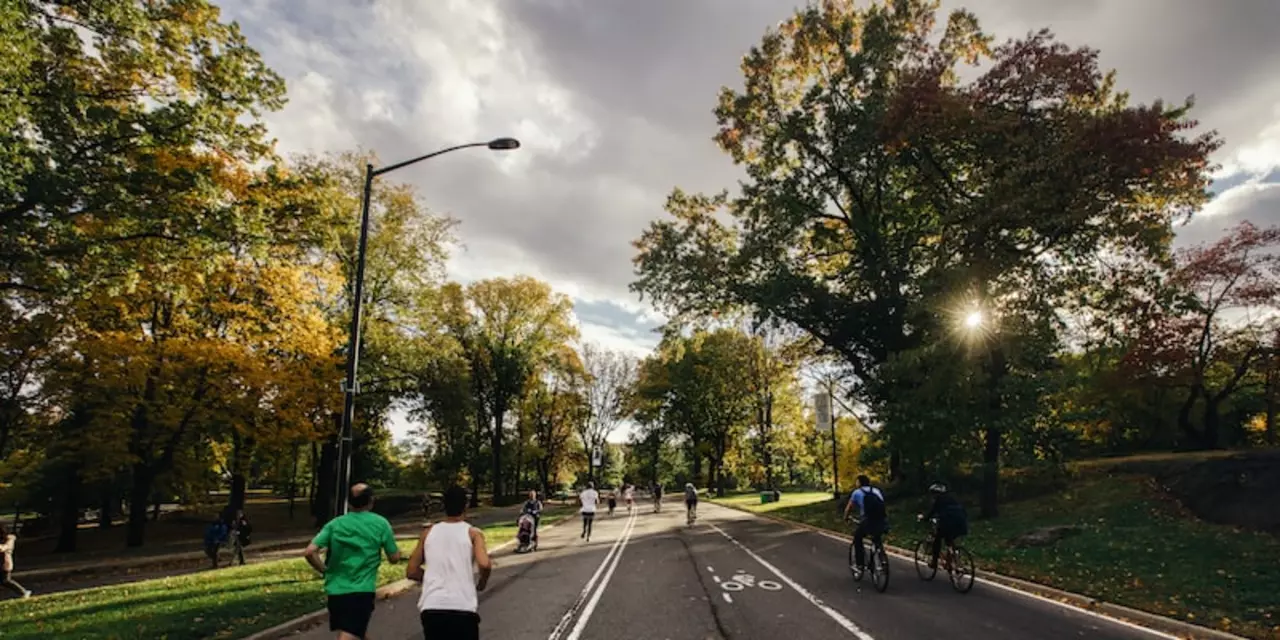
x: 355, y: 544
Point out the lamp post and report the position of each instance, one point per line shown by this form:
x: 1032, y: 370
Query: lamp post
x: 350, y: 387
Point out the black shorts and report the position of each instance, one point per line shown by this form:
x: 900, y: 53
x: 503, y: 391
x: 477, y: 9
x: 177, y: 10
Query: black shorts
x: 450, y: 625
x: 350, y: 612
x: 689, y: 504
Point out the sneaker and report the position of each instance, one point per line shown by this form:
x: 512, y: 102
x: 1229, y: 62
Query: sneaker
x: 26, y: 593
x: 857, y: 573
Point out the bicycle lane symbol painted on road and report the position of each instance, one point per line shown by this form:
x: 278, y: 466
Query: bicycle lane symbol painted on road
x: 741, y: 581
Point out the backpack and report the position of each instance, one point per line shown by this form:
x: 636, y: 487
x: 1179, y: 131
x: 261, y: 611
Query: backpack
x: 872, y: 504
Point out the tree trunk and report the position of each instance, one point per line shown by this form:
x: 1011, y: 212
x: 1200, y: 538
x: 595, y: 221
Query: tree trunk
x: 495, y: 449
x: 1184, y: 415
x: 326, y: 479
x: 314, y: 477
x: 139, y: 497
x: 657, y: 456
x: 69, y: 511
x: 519, y: 455
x: 895, y: 465
x: 475, y: 489
x: 107, y: 510
x: 768, y: 442
x: 1210, y: 437
x: 239, y: 458
x: 293, y: 481
x: 991, y: 450
x: 239, y: 485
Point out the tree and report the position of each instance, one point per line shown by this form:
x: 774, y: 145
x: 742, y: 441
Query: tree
x: 93, y: 89
x: 610, y: 377
x: 881, y: 188
x: 1218, y: 330
x: 554, y: 405
x: 507, y: 329
x: 771, y: 375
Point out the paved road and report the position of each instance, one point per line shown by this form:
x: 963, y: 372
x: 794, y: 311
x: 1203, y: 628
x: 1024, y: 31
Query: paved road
x: 651, y: 577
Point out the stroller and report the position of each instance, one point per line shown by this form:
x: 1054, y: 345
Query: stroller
x: 525, y: 541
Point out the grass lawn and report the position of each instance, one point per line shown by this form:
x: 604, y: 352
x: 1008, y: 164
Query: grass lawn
x: 229, y: 603
x: 1137, y: 548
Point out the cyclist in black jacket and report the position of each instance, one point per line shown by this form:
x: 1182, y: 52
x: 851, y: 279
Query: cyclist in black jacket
x: 953, y: 522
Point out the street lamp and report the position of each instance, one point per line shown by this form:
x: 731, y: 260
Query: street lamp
x: 350, y: 387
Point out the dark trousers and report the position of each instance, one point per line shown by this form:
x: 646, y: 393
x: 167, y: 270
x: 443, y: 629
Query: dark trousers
x: 450, y: 625
x: 7, y: 581
x: 873, y: 529
x: 587, y: 520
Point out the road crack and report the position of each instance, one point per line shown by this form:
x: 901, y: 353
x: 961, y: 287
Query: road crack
x: 709, y: 596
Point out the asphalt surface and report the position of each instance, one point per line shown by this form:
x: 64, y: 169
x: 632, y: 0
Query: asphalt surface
x: 730, y: 575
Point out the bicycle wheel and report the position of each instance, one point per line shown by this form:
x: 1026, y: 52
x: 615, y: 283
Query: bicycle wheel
x: 880, y: 569
x: 963, y: 573
x: 924, y: 553
x: 853, y: 563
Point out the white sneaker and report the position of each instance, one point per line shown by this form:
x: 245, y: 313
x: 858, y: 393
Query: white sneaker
x: 26, y: 594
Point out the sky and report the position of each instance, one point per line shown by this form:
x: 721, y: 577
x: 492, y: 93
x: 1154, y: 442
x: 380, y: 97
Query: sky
x: 612, y: 101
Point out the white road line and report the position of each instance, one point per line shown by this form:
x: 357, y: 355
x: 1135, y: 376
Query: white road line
x: 1033, y: 596
x: 716, y: 578
x: 711, y: 570
x: 567, y: 618
x: 727, y: 598
x: 604, y: 583
x: 831, y: 613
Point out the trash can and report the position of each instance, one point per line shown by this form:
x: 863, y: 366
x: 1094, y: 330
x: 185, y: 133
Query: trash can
x: 766, y: 497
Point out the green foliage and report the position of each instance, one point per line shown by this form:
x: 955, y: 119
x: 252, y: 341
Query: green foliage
x: 886, y: 199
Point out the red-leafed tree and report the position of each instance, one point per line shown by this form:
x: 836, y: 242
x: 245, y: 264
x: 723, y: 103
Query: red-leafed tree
x: 1217, y: 330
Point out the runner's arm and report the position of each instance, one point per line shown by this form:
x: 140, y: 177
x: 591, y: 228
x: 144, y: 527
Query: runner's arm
x: 312, y: 554
x: 481, y: 554
x: 390, y: 546
x: 418, y: 557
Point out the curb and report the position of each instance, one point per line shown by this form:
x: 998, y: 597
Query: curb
x: 1125, y: 615
x: 384, y: 592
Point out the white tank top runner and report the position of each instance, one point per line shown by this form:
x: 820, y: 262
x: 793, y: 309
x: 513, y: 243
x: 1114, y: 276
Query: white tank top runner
x: 448, y: 583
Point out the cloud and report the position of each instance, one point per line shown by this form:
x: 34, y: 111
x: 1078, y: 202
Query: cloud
x: 612, y: 100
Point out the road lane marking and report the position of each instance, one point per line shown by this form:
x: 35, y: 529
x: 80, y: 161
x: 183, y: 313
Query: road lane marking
x: 727, y: 598
x: 732, y: 586
x: 716, y: 578
x: 563, y: 625
x: 604, y: 583
x: 769, y: 585
x: 831, y: 613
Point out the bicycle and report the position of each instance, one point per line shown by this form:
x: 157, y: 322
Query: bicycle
x: 956, y: 560
x: 878, y: 562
